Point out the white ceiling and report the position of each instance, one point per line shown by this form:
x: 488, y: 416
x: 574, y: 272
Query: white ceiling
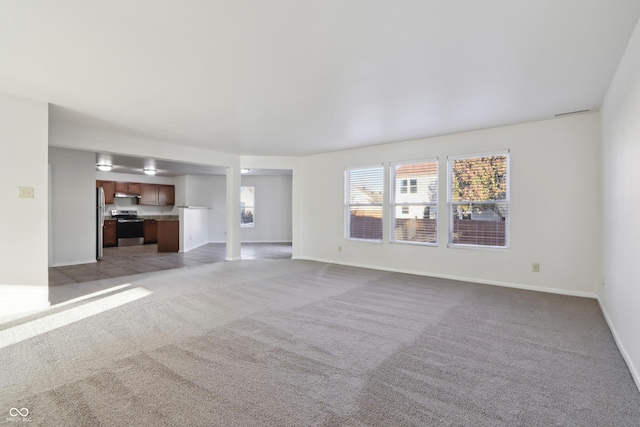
x: 136, y: 166
x: 294, y: 77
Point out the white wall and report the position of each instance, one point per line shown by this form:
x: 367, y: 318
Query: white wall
x: 209, y: 191
x: 194, y: 228
x: 273, y: 210
x: 620, y: 295
x: 23, y: 163
x: 73, y: 206
x: 555, y: 208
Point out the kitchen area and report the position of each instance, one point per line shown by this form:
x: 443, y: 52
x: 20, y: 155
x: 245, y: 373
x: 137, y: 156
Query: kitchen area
x: 136, y: 213
x: 174, y: 218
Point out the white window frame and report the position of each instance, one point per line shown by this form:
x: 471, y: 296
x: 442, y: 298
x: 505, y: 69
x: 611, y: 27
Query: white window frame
x: 507, y: 200
x: 348, y: 205
x: 393, y: 204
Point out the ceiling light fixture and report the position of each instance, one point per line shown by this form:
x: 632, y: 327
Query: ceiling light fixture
x: 104, y: 167
x: 244, y: 170
x: 149, y: 171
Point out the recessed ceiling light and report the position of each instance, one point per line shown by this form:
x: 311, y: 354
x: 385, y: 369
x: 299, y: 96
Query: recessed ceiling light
x: 149, y: 171
x: 104, y: 167
x: 244, y: 170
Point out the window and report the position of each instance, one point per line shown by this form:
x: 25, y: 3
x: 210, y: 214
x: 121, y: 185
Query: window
x: 247, y: 206
x: 479, y: 200
x: 410, y: 184
x: 363, y: 203
x: 414, y: 213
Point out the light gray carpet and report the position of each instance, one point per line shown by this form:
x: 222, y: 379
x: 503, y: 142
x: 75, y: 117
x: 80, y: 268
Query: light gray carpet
x: 295, y: 343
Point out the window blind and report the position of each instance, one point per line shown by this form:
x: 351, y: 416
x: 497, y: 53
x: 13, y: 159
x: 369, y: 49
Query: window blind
x: 414, y: 202
x: 479, y: 200
x: 363, y: 207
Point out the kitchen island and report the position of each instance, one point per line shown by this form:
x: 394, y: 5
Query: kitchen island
x: 163, y: 230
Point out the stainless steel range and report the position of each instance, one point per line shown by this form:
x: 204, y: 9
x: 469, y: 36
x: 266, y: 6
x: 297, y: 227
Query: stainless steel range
x: 130, y: 228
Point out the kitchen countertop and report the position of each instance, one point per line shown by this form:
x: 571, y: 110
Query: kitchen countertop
x: 160, y: 217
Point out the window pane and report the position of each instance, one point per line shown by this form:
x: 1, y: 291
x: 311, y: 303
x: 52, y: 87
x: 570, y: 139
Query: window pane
x: 247, y: 206
x: 365, y: 222
x: 479, y: 179
x: 365, y: 186
x: 479, y: 201
x: 414, y: 204
x: 480, y: 224
x: 423, y: 178
x: 418, y: 224
x: 364, y: 203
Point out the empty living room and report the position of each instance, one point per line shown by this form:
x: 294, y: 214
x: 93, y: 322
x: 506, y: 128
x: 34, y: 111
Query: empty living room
x: 304, y: 213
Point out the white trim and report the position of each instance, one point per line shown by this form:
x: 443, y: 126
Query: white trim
x: 195, y: 247
x: 266, y: 241
x: 635, y: 374
x: 65, y: 264
x: 459, y: 278
x: 232, y: 259
x: 254, y: 241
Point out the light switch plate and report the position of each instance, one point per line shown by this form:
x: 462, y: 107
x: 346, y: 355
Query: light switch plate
x: 25, y: 192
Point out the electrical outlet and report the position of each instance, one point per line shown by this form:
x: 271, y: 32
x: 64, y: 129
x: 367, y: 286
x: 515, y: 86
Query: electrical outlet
x: 535, y: 267
x: 25, y: 192
x: 339, y: 248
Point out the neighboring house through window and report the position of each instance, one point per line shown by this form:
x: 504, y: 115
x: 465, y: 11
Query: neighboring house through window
x: 363, y: 203
x: 414, y: 201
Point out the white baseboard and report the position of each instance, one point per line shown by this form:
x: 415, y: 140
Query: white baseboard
x: 254, y: 241
x: 459, y: 278
x: 196, y: 247
x: 265, y: 241
x: 65, y: 264
x: 634, y: 372
x: 232, y: 259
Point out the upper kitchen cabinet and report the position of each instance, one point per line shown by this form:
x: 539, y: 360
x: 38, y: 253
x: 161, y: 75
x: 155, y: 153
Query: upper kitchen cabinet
x: 129, y: 188
x: 157, y: 194
x: 109, y: 191
x: 166, y: 195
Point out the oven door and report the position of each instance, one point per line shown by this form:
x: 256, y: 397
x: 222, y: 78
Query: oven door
x: 130, y: 232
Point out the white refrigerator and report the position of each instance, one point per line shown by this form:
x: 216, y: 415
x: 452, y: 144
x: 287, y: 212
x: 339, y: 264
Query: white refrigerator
x: 100, y: 212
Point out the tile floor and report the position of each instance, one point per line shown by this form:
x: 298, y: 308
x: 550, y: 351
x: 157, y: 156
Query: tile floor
x: 126, y: 261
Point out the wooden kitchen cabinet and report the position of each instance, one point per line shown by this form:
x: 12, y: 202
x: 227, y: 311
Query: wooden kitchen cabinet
x: 149, y: 194
x: 109, y: 191
x: 157, y: 194
x: 150, y: 231
x: 109, y: 235
x: 168, y: 236
x: 130, y: 188
x: 166, y: 195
